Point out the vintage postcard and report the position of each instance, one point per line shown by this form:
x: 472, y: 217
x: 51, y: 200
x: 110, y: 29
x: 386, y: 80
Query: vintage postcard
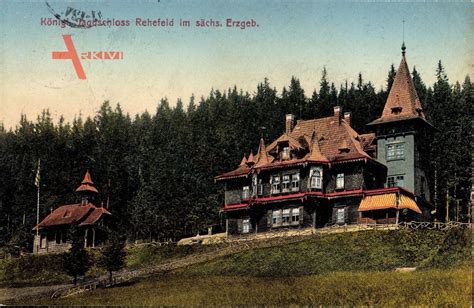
x: 224, y: 153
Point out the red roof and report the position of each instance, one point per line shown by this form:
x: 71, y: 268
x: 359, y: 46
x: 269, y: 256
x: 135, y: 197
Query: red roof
x: 402, y: 102
x: 87, y: 184
x: 332, y: 140
x: 318, y: 194
x: 71, y: 213
x: 94, y: 216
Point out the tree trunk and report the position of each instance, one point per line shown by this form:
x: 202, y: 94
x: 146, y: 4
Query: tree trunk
x: 74, y: 280
x: 110, y: 277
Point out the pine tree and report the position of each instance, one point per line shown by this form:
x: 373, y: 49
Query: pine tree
x: 420, y: 86
x: 391, y: 77
x: 112, y: 255
x: 324, y: 105
x: 76, y: 260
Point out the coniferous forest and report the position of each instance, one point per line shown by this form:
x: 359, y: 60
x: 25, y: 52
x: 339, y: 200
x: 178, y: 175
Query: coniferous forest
x: 155, y: 171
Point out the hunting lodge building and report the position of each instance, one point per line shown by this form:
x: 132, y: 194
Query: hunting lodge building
x: 321, y: 172
x: 89, y: 218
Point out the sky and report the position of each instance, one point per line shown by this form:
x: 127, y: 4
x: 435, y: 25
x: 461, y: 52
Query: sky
x: 290, y: 38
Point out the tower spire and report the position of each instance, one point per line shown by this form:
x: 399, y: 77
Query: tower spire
x: 403, y: 44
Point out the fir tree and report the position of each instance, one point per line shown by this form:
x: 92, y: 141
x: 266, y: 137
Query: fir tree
x: 76, y: 260
x: 112, y: 255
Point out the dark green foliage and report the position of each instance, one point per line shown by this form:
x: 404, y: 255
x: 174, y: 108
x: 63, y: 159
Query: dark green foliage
x: 76, y: 261
x: 31, y: 270
x: 112, y: 257
x: 156, y: 171
x: 20, y: 242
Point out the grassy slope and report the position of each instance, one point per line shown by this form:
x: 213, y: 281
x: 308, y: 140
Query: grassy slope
x: 358, y: 251
x: 332, y: 270
x: 430, y: 287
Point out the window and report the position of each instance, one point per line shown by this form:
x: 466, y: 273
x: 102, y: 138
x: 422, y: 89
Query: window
x: 340, y: 181
x: 260, y: 188
x: 286, y: 153
x: 285, y: 183
x: 276, y: 217
x: 395, y: 151
x: 340, y: 215
x: 396, y: 180
x: 295, y: 182
x: 275, y: 184
x: 316, y: 179
x: 246, y: 192
x: 400, y: 181
x: 295, y: 216
x: 286, y: 216
x: 246, y: 225
x: 254, y: 184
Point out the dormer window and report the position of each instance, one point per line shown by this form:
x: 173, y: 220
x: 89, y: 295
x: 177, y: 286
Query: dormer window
x: 67, y: 214
x: 285, y: 155
x: 396, y: 110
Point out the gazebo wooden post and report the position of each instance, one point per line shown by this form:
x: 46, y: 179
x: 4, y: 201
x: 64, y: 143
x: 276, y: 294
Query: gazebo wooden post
x: 93, y: 237
x: 85, y: 238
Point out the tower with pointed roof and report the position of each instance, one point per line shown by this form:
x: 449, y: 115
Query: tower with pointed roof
x: 87, y: 190
x: 403, y: 134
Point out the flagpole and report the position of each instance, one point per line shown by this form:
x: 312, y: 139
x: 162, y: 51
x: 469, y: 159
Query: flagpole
x: 37, y: 220
x: 37, y: 183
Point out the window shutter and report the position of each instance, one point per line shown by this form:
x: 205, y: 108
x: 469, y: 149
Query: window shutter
x: 239, y: 226
x: 334, y: 215
x: 346, y: 214
x: 269, y: 218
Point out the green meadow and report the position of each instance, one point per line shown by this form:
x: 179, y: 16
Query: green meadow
x: 334, y: 269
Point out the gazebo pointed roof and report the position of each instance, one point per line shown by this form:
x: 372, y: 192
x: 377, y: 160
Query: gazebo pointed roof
x: 87, y: 184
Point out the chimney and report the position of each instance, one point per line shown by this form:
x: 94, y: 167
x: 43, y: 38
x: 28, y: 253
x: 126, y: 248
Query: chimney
x: 337, y: 111
x: 347, y: 117
x: 289, y: 124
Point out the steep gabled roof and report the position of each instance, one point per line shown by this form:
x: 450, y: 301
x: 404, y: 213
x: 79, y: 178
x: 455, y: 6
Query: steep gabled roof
x: 402, y: 102
x: 71, y: 213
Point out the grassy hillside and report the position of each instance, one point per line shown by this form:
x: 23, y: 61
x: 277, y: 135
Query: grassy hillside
x: 348, y: 268
x: 357, y: 251
x: 430, y: 287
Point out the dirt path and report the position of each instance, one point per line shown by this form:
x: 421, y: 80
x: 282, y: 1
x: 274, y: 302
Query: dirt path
x: 230, y: 248
x: 12, y: 293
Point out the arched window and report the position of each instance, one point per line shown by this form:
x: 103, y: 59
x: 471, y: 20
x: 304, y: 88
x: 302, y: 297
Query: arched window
x: 316, y: 179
